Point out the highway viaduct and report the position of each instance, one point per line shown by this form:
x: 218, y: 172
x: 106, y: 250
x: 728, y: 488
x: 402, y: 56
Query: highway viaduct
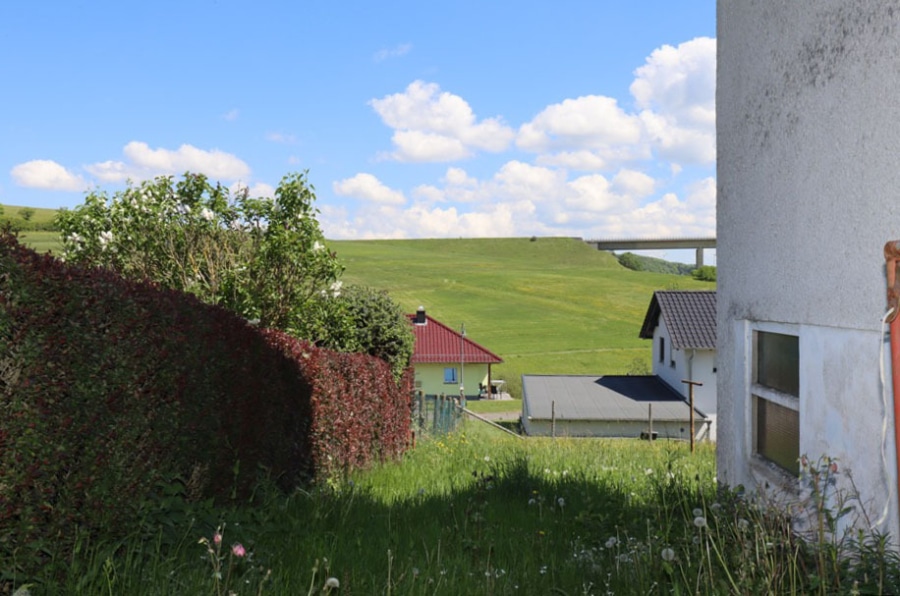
x: 697, y: 244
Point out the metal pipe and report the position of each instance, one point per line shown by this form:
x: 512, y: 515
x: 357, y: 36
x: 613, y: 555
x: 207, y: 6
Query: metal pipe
x: 892, y: 258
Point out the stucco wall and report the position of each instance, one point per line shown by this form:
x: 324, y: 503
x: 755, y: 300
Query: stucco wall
x: 808, y: 178
x: 697, y: 365
x: 614, y: 429
x: 429, y: 378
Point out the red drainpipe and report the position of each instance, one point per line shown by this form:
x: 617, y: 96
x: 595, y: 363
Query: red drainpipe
x: 892, y: 258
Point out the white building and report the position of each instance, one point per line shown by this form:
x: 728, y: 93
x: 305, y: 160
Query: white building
x: 682, y: 326
x: 808, y: 122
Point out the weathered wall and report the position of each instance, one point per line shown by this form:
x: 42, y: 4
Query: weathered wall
x: 808, y: 193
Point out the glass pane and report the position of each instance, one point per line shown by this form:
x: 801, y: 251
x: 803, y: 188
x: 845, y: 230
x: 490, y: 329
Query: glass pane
x: 778, y: 362
x: 778, y: 434
x: 449, y: 375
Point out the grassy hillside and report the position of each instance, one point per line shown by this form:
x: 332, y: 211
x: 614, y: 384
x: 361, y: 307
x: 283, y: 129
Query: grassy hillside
x: 550, y: 305
x: 41, y: 240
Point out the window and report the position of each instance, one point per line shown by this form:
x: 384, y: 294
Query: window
x: 450, y: 376
x: 662, y: 349
x: 776, y: 387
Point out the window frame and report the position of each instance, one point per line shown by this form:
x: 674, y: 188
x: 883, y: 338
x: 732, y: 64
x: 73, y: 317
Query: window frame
x: 455, y: 378
x: 759, y: 391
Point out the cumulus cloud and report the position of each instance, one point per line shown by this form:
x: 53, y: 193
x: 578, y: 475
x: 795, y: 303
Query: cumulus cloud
x: 48, y: 175
x: 434, y: 126
x: 280, y: 137
x: 142, y: 162
x: 395, y: 52
x: 368, y: 188
x: 675, y: 90
x: 589, y: 122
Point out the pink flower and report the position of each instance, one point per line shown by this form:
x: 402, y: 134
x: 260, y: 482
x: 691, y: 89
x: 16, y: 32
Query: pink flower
x: 217, y: 538
x: 238, y: 550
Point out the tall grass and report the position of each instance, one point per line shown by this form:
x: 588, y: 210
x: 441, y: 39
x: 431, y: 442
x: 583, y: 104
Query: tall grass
x: 478, y: 512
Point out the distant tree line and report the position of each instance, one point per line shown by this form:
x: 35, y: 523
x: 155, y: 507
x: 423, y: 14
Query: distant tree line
x: 635, y: 262
x: 22, y: 219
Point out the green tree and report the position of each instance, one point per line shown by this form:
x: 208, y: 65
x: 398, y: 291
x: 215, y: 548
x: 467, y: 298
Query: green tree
x: 377, y: 326
x: 704, y: 273
x: 263, y: 258
x: 26, y: 213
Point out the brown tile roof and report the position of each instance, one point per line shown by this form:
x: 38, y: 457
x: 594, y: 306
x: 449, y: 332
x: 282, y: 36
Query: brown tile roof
x: 690, y: 317
x: 435, y: 343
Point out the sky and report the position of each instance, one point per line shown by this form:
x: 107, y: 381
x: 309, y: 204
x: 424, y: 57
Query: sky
x: 490, y: 118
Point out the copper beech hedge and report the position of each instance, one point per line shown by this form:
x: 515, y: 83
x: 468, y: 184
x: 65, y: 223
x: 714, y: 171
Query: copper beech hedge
x: 109, y: 388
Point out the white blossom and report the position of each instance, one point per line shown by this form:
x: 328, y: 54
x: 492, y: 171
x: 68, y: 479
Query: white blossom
x: 317, y: 246
x: 207, y: 214
x: 667, y: 554
x: 105, y: 238
x: 336, y: 288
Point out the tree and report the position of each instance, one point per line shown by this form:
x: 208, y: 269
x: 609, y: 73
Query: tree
x: 263, y: 258
x: 704, y: 273
x: 26, y: 213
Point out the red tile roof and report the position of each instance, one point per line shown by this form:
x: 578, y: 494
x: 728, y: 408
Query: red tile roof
x: 435, y: 343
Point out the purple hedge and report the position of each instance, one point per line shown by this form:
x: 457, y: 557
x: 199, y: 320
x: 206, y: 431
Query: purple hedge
x: 109, y: 388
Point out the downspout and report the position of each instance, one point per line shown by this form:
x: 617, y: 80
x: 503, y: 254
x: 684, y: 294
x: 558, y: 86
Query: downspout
x: 892, y: 258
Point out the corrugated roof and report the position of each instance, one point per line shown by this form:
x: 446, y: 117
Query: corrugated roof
x: 690, y: 317
x: 614, y: 398
x: 435, y: 343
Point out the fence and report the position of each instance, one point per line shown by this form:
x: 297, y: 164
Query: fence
x: 435, y: 414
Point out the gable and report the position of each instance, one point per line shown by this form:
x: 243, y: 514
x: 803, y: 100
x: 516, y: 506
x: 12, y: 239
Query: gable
x: 689, y: 316
x: 436, y: 342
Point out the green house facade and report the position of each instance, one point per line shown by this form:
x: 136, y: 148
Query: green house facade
x: 446, y: 361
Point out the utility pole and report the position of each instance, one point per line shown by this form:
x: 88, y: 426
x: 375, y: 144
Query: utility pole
x: 690, y: 385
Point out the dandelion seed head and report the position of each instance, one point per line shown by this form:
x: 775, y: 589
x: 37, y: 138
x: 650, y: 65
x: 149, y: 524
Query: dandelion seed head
x: 332, y: 582
x: 667, y: 554
x: 700, y: 521
x: 698, y: 512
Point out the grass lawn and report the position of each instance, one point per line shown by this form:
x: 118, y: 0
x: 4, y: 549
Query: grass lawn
x: 546, y: 306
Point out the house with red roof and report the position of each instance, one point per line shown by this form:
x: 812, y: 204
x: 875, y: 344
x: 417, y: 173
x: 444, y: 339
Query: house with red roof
x: 446, y: 361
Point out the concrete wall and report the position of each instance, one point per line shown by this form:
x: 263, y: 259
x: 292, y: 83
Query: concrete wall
x: 808, y: 193
x: 430, y: 378
x: 614, y: 429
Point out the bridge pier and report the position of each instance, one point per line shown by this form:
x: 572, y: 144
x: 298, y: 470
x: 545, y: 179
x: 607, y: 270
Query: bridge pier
x: 699, y: 258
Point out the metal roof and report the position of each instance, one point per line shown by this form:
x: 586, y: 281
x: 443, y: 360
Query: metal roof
x: 436, y: 343
x: 690, y: 317
x: 613, y: 398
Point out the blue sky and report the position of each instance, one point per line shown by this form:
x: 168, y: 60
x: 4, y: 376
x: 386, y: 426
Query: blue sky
x: 414, y: 119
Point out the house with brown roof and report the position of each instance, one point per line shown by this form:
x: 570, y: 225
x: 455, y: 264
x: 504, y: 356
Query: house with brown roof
x: 446, y: 361
x: 682, y: 326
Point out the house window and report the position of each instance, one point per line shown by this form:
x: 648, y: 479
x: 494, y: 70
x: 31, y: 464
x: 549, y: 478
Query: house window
x: 450, y: 376
x: 662, y: 350
x: 776, y: 387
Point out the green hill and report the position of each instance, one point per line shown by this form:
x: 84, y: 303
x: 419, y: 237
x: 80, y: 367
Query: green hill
x: 545, y: 305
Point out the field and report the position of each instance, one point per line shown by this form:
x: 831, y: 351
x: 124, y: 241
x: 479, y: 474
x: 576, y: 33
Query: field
x: 544, y: 305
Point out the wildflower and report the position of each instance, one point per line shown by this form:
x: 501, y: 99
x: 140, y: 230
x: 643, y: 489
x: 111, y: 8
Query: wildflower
x: 700, y: 521
x: 317, y: 246
x: 743, y: 525
x: 207, y: 214
x: 698, y: 512
x: 332, y: 582
x: 543, y: 569
x: 217, y: 538
x: 487, y: 458
x: 612, y: 542
x: 667, y: 554
x: 716, y: 507
x: 648, y: 472
x: 105, y: 238
x: 561, y: 502
x: 531, y: 501
x: 336, y: 288
x: 236, y: 226
x: 75, y: 238
x: 833, y: 467
x: 238, y: 550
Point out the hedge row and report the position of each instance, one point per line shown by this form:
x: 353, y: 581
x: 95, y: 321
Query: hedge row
x: 109, y: 388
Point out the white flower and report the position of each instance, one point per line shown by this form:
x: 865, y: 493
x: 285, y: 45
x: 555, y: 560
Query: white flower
x: 561, y: 502
x: 667, y: 554
x: 317, y: 246
x: 332, y: 582
x: 743, y: 525
x: 648, y: 471
x: 105, y: 238
x: 487, y: 458
x: 698, y: 512
x: 700, y: 521
x: 236, y: 225
x: 336, y: 288
x: 612, y: 542
x: 207, y: 214
x: 75, y: 238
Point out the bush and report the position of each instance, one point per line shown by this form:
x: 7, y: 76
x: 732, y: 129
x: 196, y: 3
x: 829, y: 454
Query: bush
x: 109, y: 388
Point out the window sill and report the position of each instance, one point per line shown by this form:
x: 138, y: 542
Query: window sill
x: 775, y: 480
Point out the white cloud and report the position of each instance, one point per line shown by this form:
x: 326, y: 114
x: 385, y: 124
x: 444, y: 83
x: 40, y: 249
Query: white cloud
x: 47, y: 175
x: 280, y: 137
x: 589, y: 122
x: 634, y: 183
x: 675, y: 89
x: 432, y: 126
x: 369, y: 188
x: 143, y: 162
x: 260, y: 189
x: 395, y: 52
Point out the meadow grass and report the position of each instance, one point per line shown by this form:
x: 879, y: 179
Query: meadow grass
x: 479, y: 512
x: 544, y: 305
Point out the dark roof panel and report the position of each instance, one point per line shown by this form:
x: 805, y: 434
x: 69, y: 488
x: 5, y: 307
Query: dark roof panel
x: 690, y: 317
